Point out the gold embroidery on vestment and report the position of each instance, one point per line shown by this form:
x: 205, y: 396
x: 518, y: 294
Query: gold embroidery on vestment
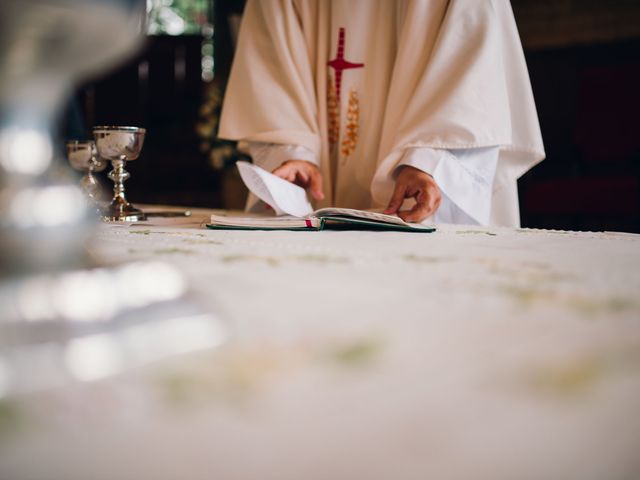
x: 350, y: 139
x: 333, y: 112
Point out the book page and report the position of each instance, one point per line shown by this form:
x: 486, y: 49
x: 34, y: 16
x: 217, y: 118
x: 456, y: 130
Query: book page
x: 284, y: 197
x: 256, y: 185
x: 366, y: 214
x: 266, y: 221
x: 369, y: 215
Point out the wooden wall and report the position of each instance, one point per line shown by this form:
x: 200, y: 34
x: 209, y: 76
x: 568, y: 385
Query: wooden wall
x: 545, y: 24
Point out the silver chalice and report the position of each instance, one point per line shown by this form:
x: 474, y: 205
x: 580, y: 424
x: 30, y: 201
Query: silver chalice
x: 83, y: 157
x: 120, y: 145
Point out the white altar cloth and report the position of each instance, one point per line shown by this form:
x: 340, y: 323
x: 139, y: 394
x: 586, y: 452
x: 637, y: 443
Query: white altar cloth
x: 468, y: 353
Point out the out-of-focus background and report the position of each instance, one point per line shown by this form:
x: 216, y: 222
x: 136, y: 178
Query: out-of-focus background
x: 584, y: 62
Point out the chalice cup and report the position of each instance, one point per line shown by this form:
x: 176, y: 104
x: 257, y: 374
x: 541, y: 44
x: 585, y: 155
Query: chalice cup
x: 83, y: 157
x: 120, y: 145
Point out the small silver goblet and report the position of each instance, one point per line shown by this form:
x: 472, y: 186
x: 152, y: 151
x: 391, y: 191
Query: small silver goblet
x: 83, y: 157
x: 120, y: 145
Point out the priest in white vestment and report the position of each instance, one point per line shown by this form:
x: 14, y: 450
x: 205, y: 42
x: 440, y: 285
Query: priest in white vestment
x: 376, y: 103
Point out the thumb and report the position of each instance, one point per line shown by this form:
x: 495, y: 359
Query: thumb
x: 315, y: 185
x: 396, y: 199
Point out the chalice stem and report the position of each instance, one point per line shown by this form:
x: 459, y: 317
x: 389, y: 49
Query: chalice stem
x: 119, y: 175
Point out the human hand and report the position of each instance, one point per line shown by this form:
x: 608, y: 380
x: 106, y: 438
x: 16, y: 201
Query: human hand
x: 415, y: 183
x: 304, y: 174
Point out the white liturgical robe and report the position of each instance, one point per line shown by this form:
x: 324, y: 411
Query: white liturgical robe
x: 361, y: 87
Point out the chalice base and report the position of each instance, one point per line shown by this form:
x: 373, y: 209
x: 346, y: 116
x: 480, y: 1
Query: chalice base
x: 122, y: 211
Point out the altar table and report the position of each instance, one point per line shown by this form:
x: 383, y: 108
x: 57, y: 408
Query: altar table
x: 469, y: 353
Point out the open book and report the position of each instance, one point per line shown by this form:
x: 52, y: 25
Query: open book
x: 292, y: 210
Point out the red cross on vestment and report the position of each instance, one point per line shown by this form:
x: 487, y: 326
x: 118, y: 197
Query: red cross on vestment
x: 339, y: 64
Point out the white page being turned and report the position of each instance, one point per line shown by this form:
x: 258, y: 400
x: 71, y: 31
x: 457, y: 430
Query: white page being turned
x: 283, y: 196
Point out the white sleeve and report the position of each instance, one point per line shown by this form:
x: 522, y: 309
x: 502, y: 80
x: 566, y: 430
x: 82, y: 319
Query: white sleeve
x: 465, y: 178
x: 270, y: 156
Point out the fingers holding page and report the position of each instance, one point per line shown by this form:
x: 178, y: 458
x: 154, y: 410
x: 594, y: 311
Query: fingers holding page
x: 304, y: 174
x: 414, y: 183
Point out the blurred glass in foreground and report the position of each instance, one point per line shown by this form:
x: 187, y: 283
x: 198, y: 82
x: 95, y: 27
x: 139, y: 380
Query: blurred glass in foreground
x: 63, y: 318
x: 46, y: 46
